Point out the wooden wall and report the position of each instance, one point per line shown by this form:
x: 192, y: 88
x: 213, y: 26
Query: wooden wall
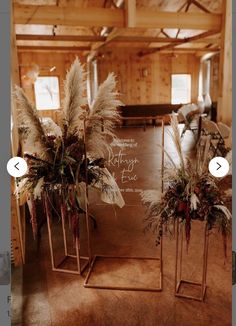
x: 135, y: 87
x: 225, y: 68
x: 214, y: 80
x: 156, y: 86
x: 62, y: 62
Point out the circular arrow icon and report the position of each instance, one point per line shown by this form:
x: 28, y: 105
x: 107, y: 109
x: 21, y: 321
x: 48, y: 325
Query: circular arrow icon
x: 17, y: 167
x: 219, y: 167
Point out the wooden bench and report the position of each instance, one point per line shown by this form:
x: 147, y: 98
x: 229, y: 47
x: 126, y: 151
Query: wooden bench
x: 146, y: 112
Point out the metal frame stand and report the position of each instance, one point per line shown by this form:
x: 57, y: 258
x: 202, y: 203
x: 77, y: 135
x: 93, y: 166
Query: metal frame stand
x: 158, y: 288
x: 93, y: 258
x: 179, y: 261
x: 77, y: 257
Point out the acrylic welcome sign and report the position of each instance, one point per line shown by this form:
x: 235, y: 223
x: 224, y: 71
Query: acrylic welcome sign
x: 134, y: 165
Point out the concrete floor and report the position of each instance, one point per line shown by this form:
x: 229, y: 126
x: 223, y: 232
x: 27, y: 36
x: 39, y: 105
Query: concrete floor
x: 58, y: 299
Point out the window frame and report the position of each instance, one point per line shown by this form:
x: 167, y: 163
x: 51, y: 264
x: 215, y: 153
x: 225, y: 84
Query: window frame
x: 190, y: 90
x: 59, y: 94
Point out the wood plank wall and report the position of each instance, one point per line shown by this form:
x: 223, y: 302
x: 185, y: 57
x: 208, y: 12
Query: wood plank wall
x: 225, y: 68
x: 62, y: 62
x: 135, y: 87
x: 214, y: 83
x: 155, y: 87
x: 17, y: 212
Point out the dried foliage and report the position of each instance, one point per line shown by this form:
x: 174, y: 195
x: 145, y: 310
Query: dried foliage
x: 103, y: 115
x: 192, y: 194
x: 60, y: 159
x: 27, y: 116
x: 75, y: 98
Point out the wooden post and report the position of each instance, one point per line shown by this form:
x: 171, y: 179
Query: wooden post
x: 225, y: 71
x: 130, y: 13
x: 17, y: 212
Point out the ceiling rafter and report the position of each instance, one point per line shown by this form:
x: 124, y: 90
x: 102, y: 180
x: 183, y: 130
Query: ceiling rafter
x: 129, y: 17
x: 186, y: 40
x: 69, y: 38
x: 130, y: 21
x: 98, y: 17
x: 119, y: 38
x: 200, y: 6
x: 164, y: 33
x: 88, y: 49
x: 56, y: 48
x: 188, y: 4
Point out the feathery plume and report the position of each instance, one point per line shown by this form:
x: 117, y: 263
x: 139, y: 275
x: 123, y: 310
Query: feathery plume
x: 224, y: 210
x: 27, y: 115
x: 102, y: 116
x: 151, y: 197
x: 75, y: 97
x: 176, y: 139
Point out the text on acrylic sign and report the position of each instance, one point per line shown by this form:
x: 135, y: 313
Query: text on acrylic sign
x: 123, y: 161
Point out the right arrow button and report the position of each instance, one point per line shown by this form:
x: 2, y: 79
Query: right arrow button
x: 219, y: 167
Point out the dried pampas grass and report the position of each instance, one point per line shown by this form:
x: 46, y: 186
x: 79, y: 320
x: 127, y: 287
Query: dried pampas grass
x: 102, y: 117
x: 75, y: 98
x: 151, y: 197
x: 28, y: 116
x: 98, y: 120
x: 175, y: 136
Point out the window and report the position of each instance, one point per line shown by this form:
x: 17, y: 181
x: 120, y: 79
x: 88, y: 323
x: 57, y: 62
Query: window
x: 47, y: 95
x: 180, y: 89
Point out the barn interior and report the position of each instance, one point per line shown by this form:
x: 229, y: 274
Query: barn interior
x: 165, y: 54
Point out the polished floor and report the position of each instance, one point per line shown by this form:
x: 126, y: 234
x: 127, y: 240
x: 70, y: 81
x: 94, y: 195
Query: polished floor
x: 57, y: 299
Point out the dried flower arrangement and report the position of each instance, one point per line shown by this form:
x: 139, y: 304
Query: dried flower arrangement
x: 192, y: 194
x: 60, y: 163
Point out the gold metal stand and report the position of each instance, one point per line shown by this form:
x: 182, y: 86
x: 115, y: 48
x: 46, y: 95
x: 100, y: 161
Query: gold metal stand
x: 162, y: 153
x: 179, y: 281
x: 157, y: 288
x: 77, y: 257
x: 94, y: 258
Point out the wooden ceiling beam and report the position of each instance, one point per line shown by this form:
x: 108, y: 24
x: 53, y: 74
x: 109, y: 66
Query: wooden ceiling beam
x: 111, y: 37
x: 186, y: 40
x: 68, y: 16
x: 200, y: 6
x: 99, y: 17
x: 153, y: 39
x: 117, y: 39
x: 193, y: 50
x: 183, y: 20
x: 200, y: 36
x: 69, y: 38
x: 183, y: 5
x: 164, y: 33
x: 81, y: 49
x: 52, y: 48
x: 214, y: 40
x: 179, y: 50
x: 188, y: 4
x: 130, y: 13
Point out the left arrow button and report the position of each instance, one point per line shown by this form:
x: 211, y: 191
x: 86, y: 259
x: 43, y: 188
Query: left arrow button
x: 17, y: 167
